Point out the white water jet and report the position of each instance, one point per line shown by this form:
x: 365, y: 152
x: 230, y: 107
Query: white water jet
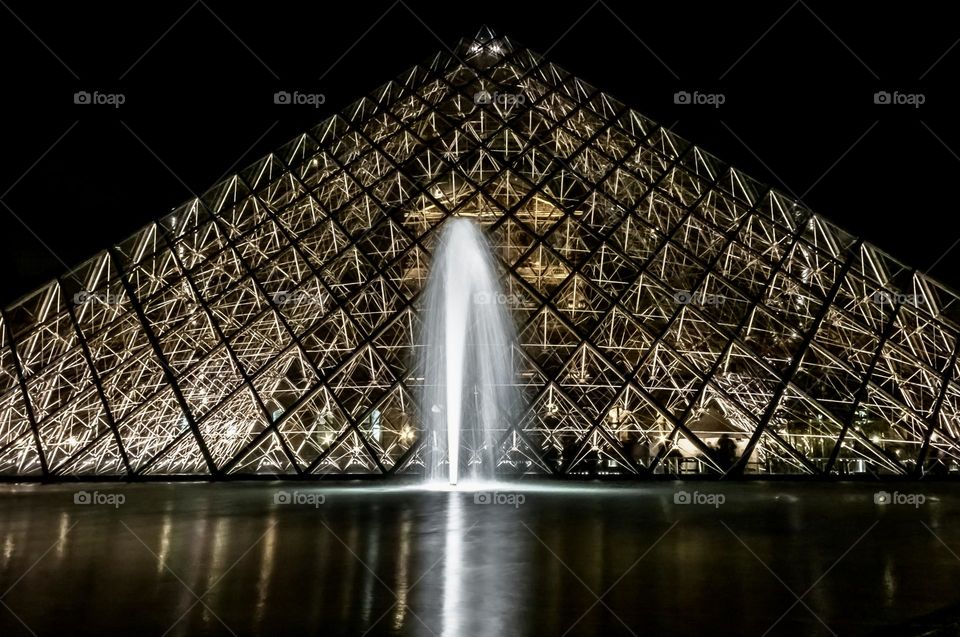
x: 467, y: 338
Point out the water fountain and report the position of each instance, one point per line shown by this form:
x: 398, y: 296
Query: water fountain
x: 469, y: 393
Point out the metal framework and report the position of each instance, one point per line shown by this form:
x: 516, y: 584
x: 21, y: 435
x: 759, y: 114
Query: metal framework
x: 675, y: 316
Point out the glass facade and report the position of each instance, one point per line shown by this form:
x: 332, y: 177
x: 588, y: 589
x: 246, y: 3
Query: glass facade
x: 674, y: 315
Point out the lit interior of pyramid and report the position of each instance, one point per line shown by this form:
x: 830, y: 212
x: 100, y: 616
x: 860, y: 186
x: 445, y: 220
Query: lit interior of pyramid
x: 674, y: 316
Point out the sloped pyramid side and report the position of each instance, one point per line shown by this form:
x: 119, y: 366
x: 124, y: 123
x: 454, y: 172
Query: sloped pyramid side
x: 674, y: 315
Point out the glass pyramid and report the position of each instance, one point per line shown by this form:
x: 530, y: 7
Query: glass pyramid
x: 675, y: 316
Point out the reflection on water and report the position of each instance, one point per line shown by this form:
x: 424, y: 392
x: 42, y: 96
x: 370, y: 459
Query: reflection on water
x: 269, y: 545
x: 370, y: 556
x: 165, y: 528
x: 453, y: 568
x: 196, y: 559
x: 403, y: 573
x: 62, y: 534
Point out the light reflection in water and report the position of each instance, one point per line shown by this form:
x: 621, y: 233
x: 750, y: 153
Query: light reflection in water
x: 480, y: 564
x: 403, y: 571
x: 370, y: 562
x: 269, y: 545
x: 196, y: 566
x: 221, y: 538
x: 8, y: 545
x: 165, y: 527
x: 889, y: 581
x: 453, y: 567
x: 351, y: 566
x: 62, y: 534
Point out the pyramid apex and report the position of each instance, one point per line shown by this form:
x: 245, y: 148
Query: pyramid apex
x: 486, y: 48
x: 485, y: 34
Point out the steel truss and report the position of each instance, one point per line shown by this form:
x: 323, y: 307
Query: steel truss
x: 675, y: 317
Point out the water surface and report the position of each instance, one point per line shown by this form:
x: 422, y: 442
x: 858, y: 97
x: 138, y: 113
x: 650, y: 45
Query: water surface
x: 531, y: 559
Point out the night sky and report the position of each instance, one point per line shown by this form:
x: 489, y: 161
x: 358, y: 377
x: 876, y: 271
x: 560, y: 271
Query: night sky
x: 198, y: 79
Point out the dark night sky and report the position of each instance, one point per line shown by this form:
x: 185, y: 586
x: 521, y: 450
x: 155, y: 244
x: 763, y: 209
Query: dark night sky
x: 799, y: 81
